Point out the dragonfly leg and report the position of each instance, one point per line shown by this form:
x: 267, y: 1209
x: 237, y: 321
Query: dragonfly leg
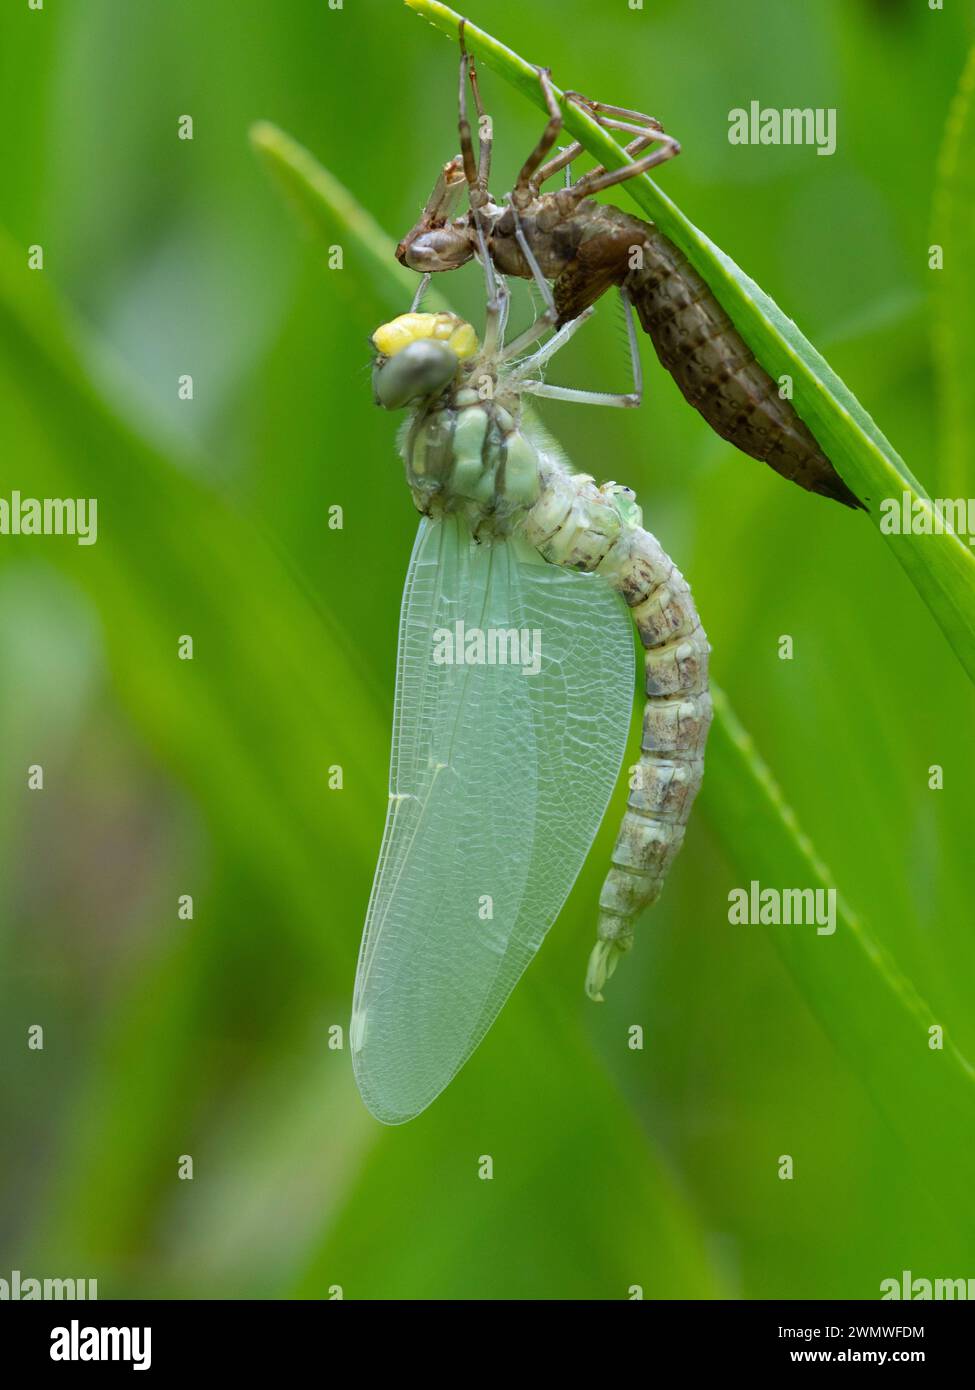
x: 546, y: 320
x: 421, y: 291
x: 554, y: 344
x: 624, y: 400
x: 495, y: 317
x: 531, y: 335
x: 505, y: 306
x: 464, y: 127
x: 600, y: 179
x: 498, y: 299
x: 636, y: 366
x: 561, y: 161
x: 646, y: 129
x: 522, y: 194
x: 569, y: 393
x: 634, y: 147
x: 541, y: 283
x: 565, y: 157
x: 477, y: 189
x: 602, y: 108
x: 485, y: 126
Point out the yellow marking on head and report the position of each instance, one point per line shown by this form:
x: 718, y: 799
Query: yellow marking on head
x: 390, y: 338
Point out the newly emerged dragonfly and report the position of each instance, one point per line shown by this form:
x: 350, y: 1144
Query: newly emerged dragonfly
x: 586, y: 247
x: 514, y: 691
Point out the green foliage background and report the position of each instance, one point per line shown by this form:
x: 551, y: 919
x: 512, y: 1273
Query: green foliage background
x: 612, y: 1167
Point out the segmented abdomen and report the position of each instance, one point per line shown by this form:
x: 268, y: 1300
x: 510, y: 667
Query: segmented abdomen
x: 574, y: 523
x: 718, y: 373
x: 667, y: 777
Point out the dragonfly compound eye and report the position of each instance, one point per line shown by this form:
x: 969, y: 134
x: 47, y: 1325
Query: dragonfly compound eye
x: 421, y: 369
x: 418, y: 356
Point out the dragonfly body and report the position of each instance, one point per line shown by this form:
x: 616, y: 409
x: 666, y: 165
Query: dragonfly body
x: 584, y: 248
x: 504, y: 513
x: 487, y: 460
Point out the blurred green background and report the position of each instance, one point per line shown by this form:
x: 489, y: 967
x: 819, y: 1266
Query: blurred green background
x: 209, y: 1037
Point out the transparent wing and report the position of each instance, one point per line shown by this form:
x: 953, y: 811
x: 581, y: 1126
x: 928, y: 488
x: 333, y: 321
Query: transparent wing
x: 498, y: 783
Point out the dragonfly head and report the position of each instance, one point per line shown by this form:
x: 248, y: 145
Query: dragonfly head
x: 418, y: 355
x: 437, y: 243
x: 429, y: 249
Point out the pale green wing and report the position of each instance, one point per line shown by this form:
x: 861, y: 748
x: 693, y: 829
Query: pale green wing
x: 498, y: 783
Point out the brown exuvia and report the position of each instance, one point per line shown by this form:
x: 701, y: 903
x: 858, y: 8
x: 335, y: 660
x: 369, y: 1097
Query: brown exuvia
x: 584, y: 247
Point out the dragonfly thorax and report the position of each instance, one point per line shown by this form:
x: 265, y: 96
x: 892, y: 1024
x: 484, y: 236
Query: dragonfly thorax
x: 469, y: 455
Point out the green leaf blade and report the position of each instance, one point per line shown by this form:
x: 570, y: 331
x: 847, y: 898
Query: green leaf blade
x: 953, y: 229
